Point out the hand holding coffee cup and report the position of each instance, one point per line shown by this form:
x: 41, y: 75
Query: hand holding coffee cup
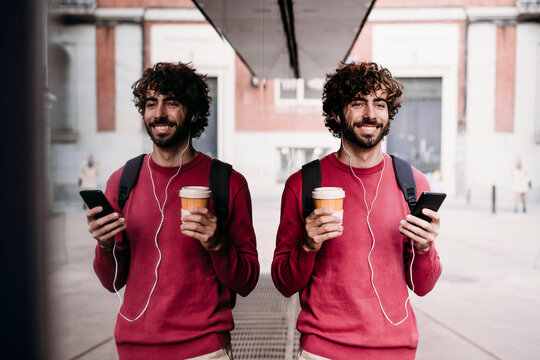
x: 194, y: 196
x: 198, y: 221
x: 324, y: 222
x: 329, y: 198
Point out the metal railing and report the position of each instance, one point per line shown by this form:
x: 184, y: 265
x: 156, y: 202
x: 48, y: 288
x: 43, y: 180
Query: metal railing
x: 72, y: 3
x: 528, y: 3
x: 265, y: 324
x: 529, y: 9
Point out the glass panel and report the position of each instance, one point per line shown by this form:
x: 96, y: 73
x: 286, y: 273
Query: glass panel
x: 287, y: 88
x: 313, y: 88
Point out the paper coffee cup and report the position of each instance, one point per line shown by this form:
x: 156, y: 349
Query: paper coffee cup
x: 329, y: 198
x: 194, y: 196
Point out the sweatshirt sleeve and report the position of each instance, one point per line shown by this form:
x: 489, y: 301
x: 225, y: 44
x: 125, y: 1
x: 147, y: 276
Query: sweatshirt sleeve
x: 292, y: 264
x: 426, y: 270
x: 236, y: 263
x: 105, y: 265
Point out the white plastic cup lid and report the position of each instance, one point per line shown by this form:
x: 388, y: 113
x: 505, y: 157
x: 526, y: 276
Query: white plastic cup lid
x: 195, y: 192
x: 328, y: 193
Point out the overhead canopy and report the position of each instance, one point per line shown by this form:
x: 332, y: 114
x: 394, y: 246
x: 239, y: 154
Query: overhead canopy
x: 286, y: 39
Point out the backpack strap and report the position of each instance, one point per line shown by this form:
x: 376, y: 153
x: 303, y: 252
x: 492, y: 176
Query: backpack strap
x: 219, y: 181
x: 405, y: 180
x: 129, y: 178
x: 311, y: 179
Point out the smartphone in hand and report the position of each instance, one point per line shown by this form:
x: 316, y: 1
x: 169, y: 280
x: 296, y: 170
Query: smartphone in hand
x: 94, y: 198
x: 430, y: 200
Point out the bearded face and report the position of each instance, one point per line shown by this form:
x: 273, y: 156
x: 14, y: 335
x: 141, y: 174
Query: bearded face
x: 365, y: 121
x: 165, y: 120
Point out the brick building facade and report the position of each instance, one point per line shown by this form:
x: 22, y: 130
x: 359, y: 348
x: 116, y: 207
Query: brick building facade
x: 471, y: 67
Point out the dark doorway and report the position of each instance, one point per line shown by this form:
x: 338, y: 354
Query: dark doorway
x: 62, y: 124
x: 207, y: 142
x: 415, y: 133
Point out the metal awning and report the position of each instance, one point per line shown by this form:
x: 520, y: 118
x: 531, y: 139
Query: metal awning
x: 286, y: 38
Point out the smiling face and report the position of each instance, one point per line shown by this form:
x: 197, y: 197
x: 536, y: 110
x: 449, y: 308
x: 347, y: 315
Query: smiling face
x: 165, y: 119
x: 366, y: 119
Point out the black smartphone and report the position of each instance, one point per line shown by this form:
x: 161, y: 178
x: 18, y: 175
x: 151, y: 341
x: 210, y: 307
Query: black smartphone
x: 430, y: 200
x: 94, y: 198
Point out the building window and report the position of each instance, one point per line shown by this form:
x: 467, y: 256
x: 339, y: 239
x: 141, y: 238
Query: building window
x: 292, y: 159
x: 299, y: 91
x: 288, y: 89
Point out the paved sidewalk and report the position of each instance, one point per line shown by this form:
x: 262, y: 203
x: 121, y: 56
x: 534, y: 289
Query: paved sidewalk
x: 485, y: 306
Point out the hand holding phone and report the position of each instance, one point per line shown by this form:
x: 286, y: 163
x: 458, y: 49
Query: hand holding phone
x: 421, y: 235
x: 94, y: 198
x: 429, y: 200
x: 103, y: 232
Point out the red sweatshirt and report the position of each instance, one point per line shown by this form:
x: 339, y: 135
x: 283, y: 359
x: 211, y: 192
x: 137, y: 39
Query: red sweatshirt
x: 189, y: 312
x: 341, y: 317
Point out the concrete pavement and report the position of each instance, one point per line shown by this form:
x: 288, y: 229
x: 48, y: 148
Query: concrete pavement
x: 485, y: 306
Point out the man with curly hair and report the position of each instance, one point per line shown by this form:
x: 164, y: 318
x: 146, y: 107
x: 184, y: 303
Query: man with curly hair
x: 353, y: 272
x: 179, y: 272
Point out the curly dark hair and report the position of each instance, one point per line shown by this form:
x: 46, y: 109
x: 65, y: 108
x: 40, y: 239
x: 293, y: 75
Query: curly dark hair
x: 351, y: 80
x: 181, y: 81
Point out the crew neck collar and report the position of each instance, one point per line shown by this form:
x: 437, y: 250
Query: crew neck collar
x: 173, y: 169
x: 359, y: 171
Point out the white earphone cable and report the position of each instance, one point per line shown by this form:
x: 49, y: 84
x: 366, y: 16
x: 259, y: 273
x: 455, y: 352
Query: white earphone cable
x: 369, y: 209
x: 161, y: 210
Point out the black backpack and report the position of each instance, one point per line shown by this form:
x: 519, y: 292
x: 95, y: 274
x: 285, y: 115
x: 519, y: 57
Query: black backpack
x: 311, y: 179
x: 220, y: 189
x: 219, y: 180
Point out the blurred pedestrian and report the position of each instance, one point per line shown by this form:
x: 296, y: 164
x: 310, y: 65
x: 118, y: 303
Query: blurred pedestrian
x: 88, y: 174
x: 521, y: 183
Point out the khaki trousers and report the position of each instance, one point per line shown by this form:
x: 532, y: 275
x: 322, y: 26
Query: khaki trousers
x: 304, y: 355
x: 222, y: 354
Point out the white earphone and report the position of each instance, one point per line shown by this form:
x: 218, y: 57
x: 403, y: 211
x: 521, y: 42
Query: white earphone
x: 161, y: 210
x: 369, y: 209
